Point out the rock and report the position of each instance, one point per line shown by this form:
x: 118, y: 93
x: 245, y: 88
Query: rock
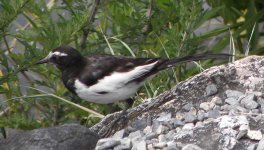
x: 164, y: 117
x: 232, y: 101
x: 233, y: 94
x: 241, y: 109
x: 107, y: 144
x: 252, y: 147
x: 213, y: 114
x: 170, y: 135
x: 261, y: 145
x: 119, y: 134
x: 162, y: 129
x: 188, y: 126
x: 176, y: 122
x: 262, y: 108
x: 68, y: 136
x: 217, y: 100
x: 162, y: 138
x: 172, y: 146
x: 151, y: 136
x: 205, y: 106
x: 188, y: 118
x: 126, y: 143
x: 211, y: 90
x: 160, y: 145
x: 249, y: 101
x: 226, y: 107
x: 260, y: 101
x: 140, y: 146
x: 191, y: 147
x: 136, y: 134
x: 254, y: 134
x: 187, y: 107
x: 148, y: 130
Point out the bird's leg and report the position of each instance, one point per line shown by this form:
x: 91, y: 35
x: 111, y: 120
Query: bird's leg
x: 121, y: 118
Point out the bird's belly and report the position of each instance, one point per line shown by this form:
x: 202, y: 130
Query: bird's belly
x: 111, y: 95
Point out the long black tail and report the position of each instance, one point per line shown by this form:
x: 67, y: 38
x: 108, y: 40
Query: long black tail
x: 174, y: 61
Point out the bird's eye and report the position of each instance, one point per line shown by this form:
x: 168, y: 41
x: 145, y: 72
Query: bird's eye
x: 54, y: 58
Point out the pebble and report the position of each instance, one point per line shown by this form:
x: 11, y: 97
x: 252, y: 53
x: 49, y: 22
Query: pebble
x: 119, y: 134
x: 187, y: 107
x: 160, y: 145
x: 254, y: 134
x: 171, y: 145
x: 234, y: 94
x: 249, y: 101
x: 217, y: 100
x: 164, y: 117
x: 162, y: 129
x: 108, y: 144
x: 213, y: 114
x: 135, y: 134
x: 252, y: 147
x: 211, y: 90
x: 189, y: 117
x: 162, y: 138
x: 176, y: 122
x: 261, y: 145
x: 151, y: 136
x: 188, y: 126
x: 205, y: 106
x: 140, y: 146
x: 147, y: 130
x: 191, y: 147
x: 232, y: 101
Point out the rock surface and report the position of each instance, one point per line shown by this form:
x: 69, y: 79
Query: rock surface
x: 64, y: 137
x: 220, y: 108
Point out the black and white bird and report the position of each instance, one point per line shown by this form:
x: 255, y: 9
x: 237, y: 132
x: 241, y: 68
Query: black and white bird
x: 107, y: 79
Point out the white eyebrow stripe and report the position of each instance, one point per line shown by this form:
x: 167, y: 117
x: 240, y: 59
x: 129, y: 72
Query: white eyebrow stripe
x: 59, y: 54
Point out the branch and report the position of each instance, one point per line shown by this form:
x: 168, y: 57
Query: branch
x: 91, y: 19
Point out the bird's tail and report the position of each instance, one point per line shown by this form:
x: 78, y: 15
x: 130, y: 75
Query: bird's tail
x: 174, y: 61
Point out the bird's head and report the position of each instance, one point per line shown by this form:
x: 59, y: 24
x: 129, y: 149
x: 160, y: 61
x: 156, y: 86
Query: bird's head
x: 62, y: 57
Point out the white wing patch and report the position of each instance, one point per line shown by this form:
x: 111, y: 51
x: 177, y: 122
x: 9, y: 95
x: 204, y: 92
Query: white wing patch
x: 115, y: 86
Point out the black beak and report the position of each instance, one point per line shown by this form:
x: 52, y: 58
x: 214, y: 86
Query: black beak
x: 44, y: 60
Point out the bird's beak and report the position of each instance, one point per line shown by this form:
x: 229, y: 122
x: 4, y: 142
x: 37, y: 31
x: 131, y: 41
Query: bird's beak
x: 44, y: 60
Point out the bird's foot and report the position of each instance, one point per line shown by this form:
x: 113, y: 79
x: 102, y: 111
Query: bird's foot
x: 118, y: 123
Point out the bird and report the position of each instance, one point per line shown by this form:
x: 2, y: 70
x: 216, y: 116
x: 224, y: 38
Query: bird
x: 107, y: 79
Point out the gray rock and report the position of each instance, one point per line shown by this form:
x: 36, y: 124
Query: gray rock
x: 191, y: 147
x: 136, y: 134
x: 233, y: 94
x: 217, y: 100
x: 260, y: 101
x: 252, y: 147
x: 226, y: 107
x: 110, y: 143
x: 211, y: 90
x: 187, y: 107
x: 188, y: 126
x: 205, y: 106
x: 176, y: 122
x: 160, y: 145
x: 170, y: 135
x: 140, y: 146
x: 151, y: 136
x: 188, y: 118
x: 241, y: 109
x: 254, y: 134
x: 119, y: 134
x: 164, y: 117
x: 213, y: 114
x: 171, y: 145
x: 249, y: 101
x: 140, y: 124
x: 262, y: 108
x: 162, y: 138
x: 162, y: 129
x: 261, y: 145
x: 232, y: 101
x: 126, y: 143
x: 63, y: 137
x: 148, y: 130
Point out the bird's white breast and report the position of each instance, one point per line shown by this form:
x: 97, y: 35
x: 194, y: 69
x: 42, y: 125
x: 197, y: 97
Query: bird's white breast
x: 115, y: 87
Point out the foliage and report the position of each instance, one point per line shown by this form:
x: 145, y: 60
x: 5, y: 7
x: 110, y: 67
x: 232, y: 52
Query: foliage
x: 29, y: 29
